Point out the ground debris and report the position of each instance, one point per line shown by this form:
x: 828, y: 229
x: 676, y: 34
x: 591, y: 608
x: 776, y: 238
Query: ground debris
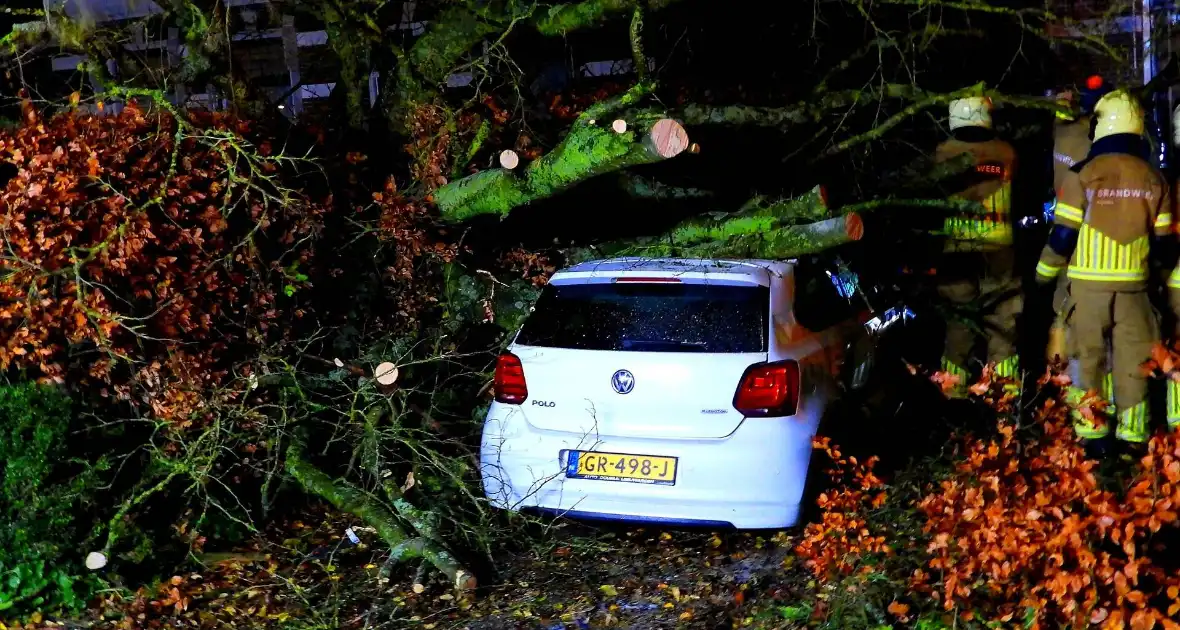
x: 591, y: 578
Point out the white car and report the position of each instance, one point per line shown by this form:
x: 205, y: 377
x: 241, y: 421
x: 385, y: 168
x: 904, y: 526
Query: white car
x: 674, y: 391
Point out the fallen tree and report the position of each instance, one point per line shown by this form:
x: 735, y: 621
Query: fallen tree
x: 760, y: 229
x: 605, y: 138
x: 781, y: 229
x: 157, y: 262
x: 403, y: 546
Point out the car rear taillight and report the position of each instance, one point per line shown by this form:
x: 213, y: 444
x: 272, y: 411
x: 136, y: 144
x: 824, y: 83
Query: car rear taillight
x: 509, y: 382
x: 769, y: 390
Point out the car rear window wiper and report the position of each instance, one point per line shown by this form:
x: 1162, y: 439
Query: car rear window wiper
x: 653, y: 344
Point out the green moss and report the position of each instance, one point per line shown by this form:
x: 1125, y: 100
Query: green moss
x: 755, y: 218
x: 494, y: 191
x: 571, y: 16
x: 345, y: 497
x: 746, y: 116
x: 740, y: 237
x: 951, y: 206
x: 789, y: 242
x: 197, y: 35
x: 562, y: 18
x: 588, y: 151
x: 440, y: 49
x: 352, y: 52
x: 41, y: 502
x: 481, y: 136
x: 697, y: 232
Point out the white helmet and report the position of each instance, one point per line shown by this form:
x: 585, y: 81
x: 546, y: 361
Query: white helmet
x: 973, y: 111
x: 1117, y: 112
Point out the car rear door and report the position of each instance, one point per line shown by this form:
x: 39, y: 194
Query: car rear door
x: 642, y: 357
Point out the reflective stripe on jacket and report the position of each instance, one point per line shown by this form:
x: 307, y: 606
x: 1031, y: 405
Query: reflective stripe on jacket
x: 991, y: 186
x: 1071, y: 145
x: 1116, y: 204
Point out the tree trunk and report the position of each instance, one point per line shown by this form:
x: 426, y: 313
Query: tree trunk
x: 346, y: 497
x: 756, y: 216
x: 786, y: 242
x: 782, y: 229
x: 592, y: 148
x: 559, y: 19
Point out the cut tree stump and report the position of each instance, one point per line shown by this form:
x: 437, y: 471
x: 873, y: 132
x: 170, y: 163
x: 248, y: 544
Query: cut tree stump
x: 509, y: 159
x: 386, y: 373
x: 668, y: 138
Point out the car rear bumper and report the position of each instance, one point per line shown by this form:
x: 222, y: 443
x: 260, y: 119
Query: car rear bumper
x: 752, y: 479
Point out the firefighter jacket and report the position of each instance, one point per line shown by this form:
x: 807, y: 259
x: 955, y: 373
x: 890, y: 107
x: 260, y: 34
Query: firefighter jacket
x: 1107, y: 218
x: 989, y: 183
x: 1071, y: 145
x: 1172, y: 259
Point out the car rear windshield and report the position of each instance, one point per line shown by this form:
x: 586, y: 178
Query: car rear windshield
x: 650, y: 317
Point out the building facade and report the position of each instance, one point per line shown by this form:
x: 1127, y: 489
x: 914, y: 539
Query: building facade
x: 282, y: 55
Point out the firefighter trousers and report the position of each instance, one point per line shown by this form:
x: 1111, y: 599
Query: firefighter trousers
x: 1125, y: 318
x: 1173, y: 386
x: 984, y: 292
x: 1059, y: 342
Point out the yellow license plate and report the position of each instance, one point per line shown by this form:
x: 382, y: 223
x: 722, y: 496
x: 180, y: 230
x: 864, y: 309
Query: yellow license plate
x: 651, y: 469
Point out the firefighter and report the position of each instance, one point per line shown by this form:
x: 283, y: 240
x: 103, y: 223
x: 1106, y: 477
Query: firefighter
x: 1173, y: 284
x: 978, y: 269
x: 1071, y: 144
x: 1105, y: 224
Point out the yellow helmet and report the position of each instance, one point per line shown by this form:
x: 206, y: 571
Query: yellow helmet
x: 973, y: 111
x: 1117, y: 112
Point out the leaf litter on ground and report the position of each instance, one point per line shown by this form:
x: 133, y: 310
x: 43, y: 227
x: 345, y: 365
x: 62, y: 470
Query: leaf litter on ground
x: 307, y: 574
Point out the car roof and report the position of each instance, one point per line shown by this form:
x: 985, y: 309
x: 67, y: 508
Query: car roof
x: 749, y: 270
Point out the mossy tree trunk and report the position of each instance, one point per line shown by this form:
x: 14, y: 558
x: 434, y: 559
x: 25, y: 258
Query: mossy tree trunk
x: 608, y: 137
x: 760, y: 229
x: 403, y: 546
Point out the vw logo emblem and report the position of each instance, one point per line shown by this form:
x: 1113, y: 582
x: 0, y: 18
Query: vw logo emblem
x: 623, y: 382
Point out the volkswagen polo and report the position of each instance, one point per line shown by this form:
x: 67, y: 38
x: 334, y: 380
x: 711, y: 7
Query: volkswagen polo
x: 671, y: 390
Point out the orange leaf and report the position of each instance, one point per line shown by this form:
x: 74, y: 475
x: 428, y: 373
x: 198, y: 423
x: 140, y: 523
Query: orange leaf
x: 1142, y: 620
